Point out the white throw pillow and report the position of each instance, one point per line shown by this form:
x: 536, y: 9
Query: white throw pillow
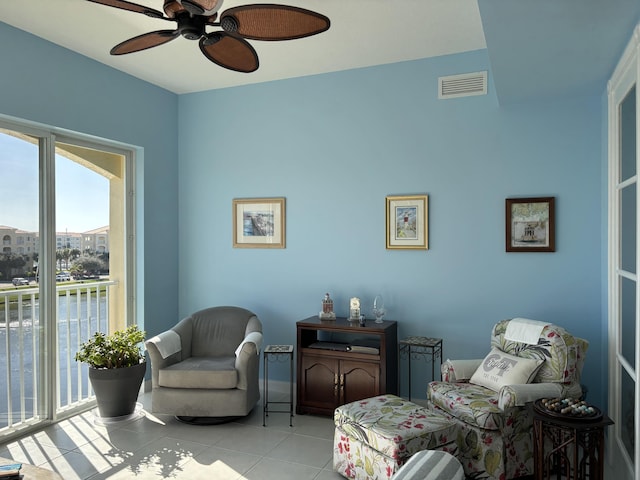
x: 499, y: 369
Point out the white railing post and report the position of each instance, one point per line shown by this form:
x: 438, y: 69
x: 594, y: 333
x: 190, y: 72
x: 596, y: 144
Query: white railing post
x: 18, y: 303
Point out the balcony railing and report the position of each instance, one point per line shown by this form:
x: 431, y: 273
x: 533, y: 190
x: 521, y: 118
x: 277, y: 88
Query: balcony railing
x: 26, y: 358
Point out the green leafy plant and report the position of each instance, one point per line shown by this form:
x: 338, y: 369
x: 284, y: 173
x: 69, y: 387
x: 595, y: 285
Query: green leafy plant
x: 118, y: 350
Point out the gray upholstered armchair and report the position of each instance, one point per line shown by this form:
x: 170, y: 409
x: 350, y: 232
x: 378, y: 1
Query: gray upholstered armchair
x: 207, y: 365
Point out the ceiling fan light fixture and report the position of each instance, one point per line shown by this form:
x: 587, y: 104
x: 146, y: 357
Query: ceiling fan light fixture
x: 192, y: 7
x: 201, y: 7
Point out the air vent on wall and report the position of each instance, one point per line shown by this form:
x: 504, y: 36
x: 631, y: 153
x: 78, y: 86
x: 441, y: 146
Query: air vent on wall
x: 464, y: 85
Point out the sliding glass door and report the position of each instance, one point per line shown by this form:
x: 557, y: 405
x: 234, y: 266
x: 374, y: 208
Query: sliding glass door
x: 22, y: 340
x: 624, y: 291
x: 65, y: 267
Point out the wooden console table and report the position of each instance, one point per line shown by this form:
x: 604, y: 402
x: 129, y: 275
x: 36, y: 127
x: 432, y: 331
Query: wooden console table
x: 332, y: 371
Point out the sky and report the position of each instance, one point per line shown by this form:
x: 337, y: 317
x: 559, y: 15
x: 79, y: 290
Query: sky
x: 82, y: 196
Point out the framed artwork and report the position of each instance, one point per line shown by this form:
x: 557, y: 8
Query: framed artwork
x: 259, y: 223
x: 530, y: 224
x: 407, y: 222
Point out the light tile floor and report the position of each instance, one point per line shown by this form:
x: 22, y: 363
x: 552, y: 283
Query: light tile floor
x: 154, y: 447
x: 160, y: 447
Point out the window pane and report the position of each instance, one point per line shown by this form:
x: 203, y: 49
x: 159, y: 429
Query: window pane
x: 19, y: 234
x: 628, y: 135
x: 628, y: 228
x: 82, y: 217
x: 82, y: 255
x: 627, y: 402
x: 627, y: 320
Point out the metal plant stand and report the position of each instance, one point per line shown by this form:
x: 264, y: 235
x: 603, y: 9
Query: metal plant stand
x: 280, y: 353
x: 416, y: 347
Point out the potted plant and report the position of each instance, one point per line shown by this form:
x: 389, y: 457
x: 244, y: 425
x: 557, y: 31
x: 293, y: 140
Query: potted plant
x: 116, y: 369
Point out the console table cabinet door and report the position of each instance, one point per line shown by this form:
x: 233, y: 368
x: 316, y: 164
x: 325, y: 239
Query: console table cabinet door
x: 358, y: 380
x: 332, y: 376
x: 320, y: 382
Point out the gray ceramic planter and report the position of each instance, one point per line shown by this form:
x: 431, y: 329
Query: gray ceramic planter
x: 116, y: 389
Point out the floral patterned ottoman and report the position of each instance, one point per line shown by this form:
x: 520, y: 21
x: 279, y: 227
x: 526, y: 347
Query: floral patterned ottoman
x: 375, y: 436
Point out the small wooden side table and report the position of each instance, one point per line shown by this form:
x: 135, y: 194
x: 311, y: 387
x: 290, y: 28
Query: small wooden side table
x: 277, y: 353
x: 419, y: 347
x: 572, y: 448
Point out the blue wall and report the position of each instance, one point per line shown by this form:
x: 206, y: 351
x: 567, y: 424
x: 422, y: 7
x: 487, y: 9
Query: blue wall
x: 336, y: 145
x: 41, y: 82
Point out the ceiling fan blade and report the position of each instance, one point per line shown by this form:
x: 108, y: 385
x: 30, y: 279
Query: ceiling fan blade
x: 273, y: 22
x: 132, y: 7
x: 144, y: 41
x: 229, y: 52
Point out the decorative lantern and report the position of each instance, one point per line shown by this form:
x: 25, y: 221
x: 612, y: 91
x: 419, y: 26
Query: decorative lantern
x: 327, y: 308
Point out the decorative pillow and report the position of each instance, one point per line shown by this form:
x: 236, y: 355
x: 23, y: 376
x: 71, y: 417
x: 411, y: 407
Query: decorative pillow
x: 499, y: 369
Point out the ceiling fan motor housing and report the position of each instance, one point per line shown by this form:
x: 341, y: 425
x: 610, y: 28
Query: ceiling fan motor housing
x: 191, y: 27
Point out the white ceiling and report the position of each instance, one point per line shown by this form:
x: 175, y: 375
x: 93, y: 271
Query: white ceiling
x: 363, y: 33
x: 537, y: 48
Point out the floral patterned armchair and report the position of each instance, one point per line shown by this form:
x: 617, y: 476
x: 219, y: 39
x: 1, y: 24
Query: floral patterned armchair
x: 495, y: 427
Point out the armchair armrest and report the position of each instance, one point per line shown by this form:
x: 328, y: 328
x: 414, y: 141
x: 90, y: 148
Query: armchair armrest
x: 248, y: 359
x: 251, y: 337
x: 163, y: 350
x: 459, y: 370
x: 519, y: 395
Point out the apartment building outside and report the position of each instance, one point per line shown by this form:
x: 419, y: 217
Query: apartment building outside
x: 22, y: 242
x: 19, y: 241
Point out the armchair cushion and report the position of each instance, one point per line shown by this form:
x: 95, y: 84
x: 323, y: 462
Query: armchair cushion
x: 200, y: 372
x: 472, y: 404
x: 499, y: 369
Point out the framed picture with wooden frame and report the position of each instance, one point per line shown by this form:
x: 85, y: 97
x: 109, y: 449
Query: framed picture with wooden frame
x: 259, y: 222
x: 407, y: 222
x: 530, y: 224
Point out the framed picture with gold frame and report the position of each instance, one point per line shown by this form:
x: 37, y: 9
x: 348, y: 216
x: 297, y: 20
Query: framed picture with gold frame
x: 530, y: 224
x: 407, y: 222
x: 259, y: 222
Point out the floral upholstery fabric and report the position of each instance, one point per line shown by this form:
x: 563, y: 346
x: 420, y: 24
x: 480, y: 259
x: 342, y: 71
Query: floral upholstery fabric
x: 473, y: 404
x: 375, y: 436
x: 491, y: 442
x: 496, y: 454
x: 494, y: 438
x: 563, y: 354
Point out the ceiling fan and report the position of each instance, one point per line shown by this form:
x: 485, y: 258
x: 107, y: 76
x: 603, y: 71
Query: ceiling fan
x: 227, y: 47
